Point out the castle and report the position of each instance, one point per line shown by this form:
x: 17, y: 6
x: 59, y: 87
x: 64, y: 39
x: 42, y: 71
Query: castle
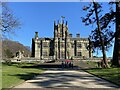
x: 62, y: 46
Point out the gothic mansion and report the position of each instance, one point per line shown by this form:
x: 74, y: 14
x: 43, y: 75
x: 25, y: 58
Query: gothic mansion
x: 62, y: 46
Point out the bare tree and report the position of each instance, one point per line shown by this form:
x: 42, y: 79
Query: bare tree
x: 8, y: 22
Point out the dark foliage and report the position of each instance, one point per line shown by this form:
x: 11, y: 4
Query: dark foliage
x: 105, y: 21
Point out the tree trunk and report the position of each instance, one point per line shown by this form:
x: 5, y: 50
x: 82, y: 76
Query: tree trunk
x: 116, y: 52
x: 104, y: 61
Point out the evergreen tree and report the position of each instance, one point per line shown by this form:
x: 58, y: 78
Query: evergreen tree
x: 113, y: 16
x: 101, y: 35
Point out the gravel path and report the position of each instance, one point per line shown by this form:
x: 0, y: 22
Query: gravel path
x: 56, y: 79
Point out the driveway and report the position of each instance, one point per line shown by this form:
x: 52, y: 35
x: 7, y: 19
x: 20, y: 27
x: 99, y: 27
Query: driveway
x: 66, y: 79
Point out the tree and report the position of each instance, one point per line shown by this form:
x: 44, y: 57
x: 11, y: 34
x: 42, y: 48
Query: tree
x: 113, y: 16
x: 101, y: 34
x: 8, y: 53
x: 8, y: 22
x: 116, y: 53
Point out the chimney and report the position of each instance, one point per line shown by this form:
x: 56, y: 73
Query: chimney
x: 70, y: 35
x: 78, y: 35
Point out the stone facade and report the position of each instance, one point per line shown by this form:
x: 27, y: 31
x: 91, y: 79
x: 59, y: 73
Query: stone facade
x: 62, y: 46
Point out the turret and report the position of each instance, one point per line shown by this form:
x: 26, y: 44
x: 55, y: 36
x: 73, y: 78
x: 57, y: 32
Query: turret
x: 36, y: 35
x: 61, y: 29
x: 54, y: 23
x: 55, y: 29
x: 66, y: 23
x: 55, y: 33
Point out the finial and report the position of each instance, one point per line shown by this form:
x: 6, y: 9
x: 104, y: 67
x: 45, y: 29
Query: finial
x: 62, y: 19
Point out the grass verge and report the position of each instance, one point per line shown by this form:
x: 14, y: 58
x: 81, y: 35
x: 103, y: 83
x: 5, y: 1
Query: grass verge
x: 110, y: 74
x: 14, y: 74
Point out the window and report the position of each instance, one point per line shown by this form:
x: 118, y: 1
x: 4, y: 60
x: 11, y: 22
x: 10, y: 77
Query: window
x: 86, y: 46
x: 44, y: 53
x: 56, y: 45
x: 45, y: 44
x: 68, y: 45
x: 68, y: 53
x: 62, y: 45
x: 72, y: 45
x: 61, y: 30
x: 60, y: 34
x: 62, y: 54
x: 39, y: 45
x: 79, y: 53
x: 79, y: 45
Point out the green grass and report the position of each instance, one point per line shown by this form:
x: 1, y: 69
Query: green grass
x: 14, y: 74
x: 94, y: 64
x: 111, y: 74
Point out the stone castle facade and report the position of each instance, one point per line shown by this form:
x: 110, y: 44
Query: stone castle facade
x: 62, y: 46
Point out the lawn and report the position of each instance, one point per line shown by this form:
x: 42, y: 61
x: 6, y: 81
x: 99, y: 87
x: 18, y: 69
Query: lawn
x: 15, y: 74
x: 110, y: 74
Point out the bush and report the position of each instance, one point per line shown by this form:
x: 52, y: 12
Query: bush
x: 8, y: 61
x: 8, y: 53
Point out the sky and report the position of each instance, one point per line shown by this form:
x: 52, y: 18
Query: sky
x: 40, y: 16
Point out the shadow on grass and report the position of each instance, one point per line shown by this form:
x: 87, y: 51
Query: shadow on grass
x: 26, y: 76
x: 44, y: 66
x: 50, y: 66
x: 18, y: 64
x: 110, y: 76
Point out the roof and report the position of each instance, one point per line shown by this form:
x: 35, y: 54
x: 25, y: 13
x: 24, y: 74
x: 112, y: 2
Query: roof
x: 79, y: 39
x: 44, y: 38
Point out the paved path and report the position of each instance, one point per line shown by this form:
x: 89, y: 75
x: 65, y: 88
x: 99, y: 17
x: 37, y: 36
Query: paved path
x: 66, y: 79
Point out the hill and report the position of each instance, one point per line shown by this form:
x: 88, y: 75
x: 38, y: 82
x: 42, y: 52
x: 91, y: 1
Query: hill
x: 9, y: 48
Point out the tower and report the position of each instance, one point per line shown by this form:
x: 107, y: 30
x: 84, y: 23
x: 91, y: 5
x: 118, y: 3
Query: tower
x: 36, y: 46
x: 61, y: 39
x: 61, y: 46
